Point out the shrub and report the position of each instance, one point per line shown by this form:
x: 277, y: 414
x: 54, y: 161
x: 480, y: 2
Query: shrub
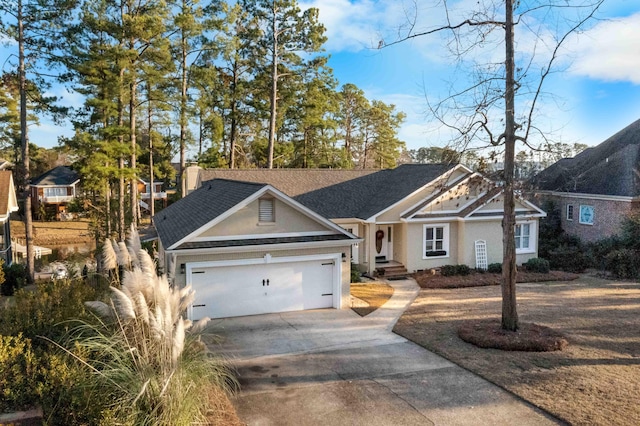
x: 355, y: 273
x: 17, y: 373
x: 15, y: 278
x: 537, y: 264
x: 451, y: 270
x: 623, y: 263
x: 568, y: 258
x: 494, y: 268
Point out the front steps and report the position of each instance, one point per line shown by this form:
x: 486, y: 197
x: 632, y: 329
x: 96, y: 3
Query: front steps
x: 391, y: 271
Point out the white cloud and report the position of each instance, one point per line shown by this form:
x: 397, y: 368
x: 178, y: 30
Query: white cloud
x: 610, y: 51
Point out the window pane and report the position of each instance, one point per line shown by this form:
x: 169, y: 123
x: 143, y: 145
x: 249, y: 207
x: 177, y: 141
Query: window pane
x: 439, y: 233
x: 525, y: 229
x: 518, y: 239
x: 438, y: 245
x: 428, y: 246
x: 525, y: 242
x: 429, y: 233
x: 518, y: 231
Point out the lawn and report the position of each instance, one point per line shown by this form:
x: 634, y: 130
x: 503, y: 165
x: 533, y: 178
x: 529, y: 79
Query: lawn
x: 55, y: 233
x: 594, y: 381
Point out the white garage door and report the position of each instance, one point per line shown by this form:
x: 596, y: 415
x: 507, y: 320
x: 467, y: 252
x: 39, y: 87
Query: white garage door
x: 228, y: 291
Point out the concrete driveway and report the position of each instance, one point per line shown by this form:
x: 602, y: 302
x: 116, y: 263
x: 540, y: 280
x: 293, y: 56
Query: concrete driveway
x: 335, y: 367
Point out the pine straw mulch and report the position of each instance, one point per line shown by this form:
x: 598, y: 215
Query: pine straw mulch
x: 595, y: 380
x: 477, y: 279
x: 375, y: 294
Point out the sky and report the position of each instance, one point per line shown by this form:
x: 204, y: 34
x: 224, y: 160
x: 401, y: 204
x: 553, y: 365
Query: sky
x: 593, y: 92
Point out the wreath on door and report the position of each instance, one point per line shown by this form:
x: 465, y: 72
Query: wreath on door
x: 379, y: 237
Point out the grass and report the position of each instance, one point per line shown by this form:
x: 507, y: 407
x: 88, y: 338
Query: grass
x: 55, y: 233
x: 374, y: 294
x: 594, y: 380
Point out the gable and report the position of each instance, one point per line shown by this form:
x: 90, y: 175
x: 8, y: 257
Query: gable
x: 245, y: 222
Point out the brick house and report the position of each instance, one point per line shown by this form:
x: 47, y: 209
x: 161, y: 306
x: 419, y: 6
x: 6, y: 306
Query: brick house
x: 597, y: 188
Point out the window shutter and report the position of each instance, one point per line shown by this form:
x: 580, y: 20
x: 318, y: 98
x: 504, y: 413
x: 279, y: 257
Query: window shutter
x: 265, y: 213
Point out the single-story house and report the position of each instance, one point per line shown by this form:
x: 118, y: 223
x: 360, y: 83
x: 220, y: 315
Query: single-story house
x: 248, y: 248
x: 598, y: 188
x: 411, y: 218
x: 8, y: 204
x: 53, y: 190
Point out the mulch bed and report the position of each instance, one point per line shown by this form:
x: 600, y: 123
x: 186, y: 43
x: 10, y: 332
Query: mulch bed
x: 529, y: 337
x: 477, y: 279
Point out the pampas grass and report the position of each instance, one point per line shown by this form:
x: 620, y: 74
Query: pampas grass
x: 149, y: 361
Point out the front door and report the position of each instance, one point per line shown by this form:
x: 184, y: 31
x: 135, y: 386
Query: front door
x: 383, y: 243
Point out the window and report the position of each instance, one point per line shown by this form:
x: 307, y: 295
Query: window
x: 266, y: 210
x: 569, y: 211
x: 436, y: 241
x: 55, y: 192
x: 586, y: 215
x: 524, y: 237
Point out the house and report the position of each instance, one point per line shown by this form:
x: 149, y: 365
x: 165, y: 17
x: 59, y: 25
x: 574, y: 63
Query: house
x: 144, y: 190
x: 8, y: 204
x: 248, y: 248
x: 411, y: 218
x: 596, y: 189
x: 52, y: 191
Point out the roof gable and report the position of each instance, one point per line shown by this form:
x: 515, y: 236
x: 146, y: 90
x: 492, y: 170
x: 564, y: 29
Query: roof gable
x: 610, y: 168
x: 191, y: 221
x: 8, y: 199
x: 58, y: 176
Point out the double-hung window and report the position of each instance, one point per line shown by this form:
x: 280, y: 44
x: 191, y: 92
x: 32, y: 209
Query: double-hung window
x: 569, y: 211
x: 524, y: 237
x: 435, y: 241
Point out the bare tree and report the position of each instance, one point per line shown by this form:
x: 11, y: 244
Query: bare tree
x: 486, y: 112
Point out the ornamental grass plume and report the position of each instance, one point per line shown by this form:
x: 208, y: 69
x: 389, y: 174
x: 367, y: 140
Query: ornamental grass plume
x: 149, y: 363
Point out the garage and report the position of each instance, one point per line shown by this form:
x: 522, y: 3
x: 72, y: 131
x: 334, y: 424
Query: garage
x: 260, y: 286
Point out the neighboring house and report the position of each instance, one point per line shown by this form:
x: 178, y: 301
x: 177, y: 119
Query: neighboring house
x: 8, y: 204
x: 52, y: 191
x: 597, y: 188
x: 6, y: 165
x: 247, y: 248
x: 144, y: 190
x: 413, y: 217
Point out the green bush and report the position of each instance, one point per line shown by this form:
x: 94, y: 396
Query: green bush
x: 569, y: 258
x: 623, y: 263
x: 355, y: 273
x: 537, y: 264
x: 494, y: 268
x: 15, y: 278
x: 452, y: 270
x: 17, y: 373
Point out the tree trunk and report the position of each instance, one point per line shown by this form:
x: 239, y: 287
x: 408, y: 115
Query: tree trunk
x: 24, y: 144
x: 274, y: 92
x: 509, y: 305
x: 151, y: 186
x: 183, y: 117
x: 132, y: 130
x: 234, y: 112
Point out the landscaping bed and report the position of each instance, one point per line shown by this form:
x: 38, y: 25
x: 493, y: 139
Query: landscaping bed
x: 477, y: 279
x: 595, y: 380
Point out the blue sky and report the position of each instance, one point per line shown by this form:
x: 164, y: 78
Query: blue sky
x: 596, y: 93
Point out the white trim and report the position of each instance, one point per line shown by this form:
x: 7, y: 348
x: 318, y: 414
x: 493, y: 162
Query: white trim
x: 268, y: 259
x: 256, y: 195
x: 257, y: 236
x: 268, y: 247
x: 533, y: 240
x: 442, y: 176
x: 590, y: 196
x: 446, y: 238
x: 573, y: 211
x: 593, y: 212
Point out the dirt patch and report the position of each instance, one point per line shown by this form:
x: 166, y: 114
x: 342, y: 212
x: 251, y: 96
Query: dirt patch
x: 594, y: 381
x: 477, y: 279
x: 374, y: 294
x: 48, y: 234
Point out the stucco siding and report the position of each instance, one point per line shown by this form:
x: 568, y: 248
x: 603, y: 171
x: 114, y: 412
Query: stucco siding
x: 489, y: 231
x: 245, y: 222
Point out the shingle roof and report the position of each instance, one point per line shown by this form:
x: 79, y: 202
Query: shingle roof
x: 61, y: 175
x: 365, y: 196
x: 292, y: 182
x: 610, y: 168
x: 200, y: 207
x: 263, y: 241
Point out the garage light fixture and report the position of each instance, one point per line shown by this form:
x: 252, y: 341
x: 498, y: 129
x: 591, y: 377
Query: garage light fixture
x: 182, y: 268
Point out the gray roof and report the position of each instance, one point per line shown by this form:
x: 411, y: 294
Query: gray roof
x: 292, y: 182
x: 610, y: 168
x: 263, y: 241
x: 200, y: 207
x: 58, y: 176
x: 365, y: 196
